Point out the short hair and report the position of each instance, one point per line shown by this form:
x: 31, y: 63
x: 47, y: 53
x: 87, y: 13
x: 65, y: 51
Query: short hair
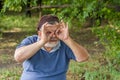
x: 47, y: 18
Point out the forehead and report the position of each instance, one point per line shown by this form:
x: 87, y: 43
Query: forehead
x: 52, y: 26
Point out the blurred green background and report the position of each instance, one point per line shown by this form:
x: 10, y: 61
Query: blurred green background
x: 95, y: 24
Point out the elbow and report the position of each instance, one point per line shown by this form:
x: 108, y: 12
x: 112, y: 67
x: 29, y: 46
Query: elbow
x: 17, y: 57
x: 83, y: 59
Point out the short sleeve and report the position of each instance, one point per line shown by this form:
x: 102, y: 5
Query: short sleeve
x: 70, y: 53
x: 27, y: 41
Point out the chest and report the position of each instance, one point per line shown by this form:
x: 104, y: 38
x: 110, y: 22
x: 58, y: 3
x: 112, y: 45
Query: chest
x: 49, y: 61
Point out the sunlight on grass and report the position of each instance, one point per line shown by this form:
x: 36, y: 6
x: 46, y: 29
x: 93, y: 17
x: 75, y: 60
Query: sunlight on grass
x: 8, y: 44
x: 12, y: 73
x: 6, y: 58
x: 22, y: 22
x: 94, y: 69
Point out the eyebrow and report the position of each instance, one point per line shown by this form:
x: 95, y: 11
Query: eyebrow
x: 50, y: 27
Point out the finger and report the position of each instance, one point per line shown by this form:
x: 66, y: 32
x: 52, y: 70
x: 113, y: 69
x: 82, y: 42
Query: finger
x: 63, y: 23
x: 43, y: 26
x: 57, y: 32
x: 58, y: 25
x: 51, y: 34
x: 67, y: 25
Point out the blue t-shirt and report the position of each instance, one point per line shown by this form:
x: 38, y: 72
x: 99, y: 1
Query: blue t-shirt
x: 44, y: 65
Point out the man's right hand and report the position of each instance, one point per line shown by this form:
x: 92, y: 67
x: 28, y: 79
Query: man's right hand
x: 25, y: 52
x: 45, y: 35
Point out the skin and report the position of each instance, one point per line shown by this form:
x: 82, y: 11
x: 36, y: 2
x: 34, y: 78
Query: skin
x: 48, y: 30
x: 52, y: 33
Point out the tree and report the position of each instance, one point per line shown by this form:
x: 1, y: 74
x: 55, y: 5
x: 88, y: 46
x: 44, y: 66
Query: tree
x: 28, y: 12
x: 92, y: 10
x: 1, y: 4
x: 39, y: 3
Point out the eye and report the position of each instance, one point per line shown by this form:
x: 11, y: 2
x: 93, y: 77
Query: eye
x: 49, y: 32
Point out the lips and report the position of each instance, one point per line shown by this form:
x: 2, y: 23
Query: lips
x: 53, y: 40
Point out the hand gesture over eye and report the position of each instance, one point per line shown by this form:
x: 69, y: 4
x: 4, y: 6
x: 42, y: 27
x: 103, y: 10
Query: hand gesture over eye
x: 45, y: 37
x: 62, y: 33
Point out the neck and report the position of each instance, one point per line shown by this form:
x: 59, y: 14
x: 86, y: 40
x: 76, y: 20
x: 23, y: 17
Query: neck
x: 48, y: 48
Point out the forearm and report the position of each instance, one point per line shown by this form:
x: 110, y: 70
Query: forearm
x: 80, y: 52
x: 25, y: 52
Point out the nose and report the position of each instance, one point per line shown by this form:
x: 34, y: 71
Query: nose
x: 54, y: 35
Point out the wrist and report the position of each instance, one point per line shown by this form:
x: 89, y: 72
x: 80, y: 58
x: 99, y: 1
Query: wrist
x: 67, y: 40
x: 42, y: 42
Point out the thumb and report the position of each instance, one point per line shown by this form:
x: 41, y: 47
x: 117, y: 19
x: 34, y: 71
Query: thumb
x: 57, y: 32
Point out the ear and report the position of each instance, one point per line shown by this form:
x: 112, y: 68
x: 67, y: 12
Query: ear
x: 39, y: 33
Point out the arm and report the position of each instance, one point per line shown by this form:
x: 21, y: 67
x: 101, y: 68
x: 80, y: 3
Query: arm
x: 25, y: 52
x: 80, y: 53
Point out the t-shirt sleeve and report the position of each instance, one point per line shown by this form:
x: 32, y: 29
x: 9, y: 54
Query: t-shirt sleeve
x: 70, y: 54
x: 25, y: 42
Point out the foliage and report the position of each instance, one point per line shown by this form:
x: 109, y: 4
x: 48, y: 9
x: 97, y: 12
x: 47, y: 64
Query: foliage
x: 103, y: 73
x: 95, y: 70
x: 9, y: 22
x: 79, y: 10
x: 109, y: 37
x: 10, y: 73
x: 93, y: 9
x: 16, y: 5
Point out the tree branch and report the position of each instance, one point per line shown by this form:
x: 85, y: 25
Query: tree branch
x: 50, y: 6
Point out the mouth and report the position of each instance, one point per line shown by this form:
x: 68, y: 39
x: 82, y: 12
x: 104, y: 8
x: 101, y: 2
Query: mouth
x: 53, y: 40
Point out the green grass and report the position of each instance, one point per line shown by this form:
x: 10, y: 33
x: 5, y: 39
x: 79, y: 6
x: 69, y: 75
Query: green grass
x: 12, y: 73
x: 8, y: 22
x: 6, y: 58
x: 94, y: 69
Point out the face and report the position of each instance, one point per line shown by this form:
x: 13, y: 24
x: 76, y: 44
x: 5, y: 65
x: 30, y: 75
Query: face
x: 53, y: 40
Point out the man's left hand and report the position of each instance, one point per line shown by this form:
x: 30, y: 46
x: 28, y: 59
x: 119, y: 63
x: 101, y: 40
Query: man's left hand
x: 62, y: 33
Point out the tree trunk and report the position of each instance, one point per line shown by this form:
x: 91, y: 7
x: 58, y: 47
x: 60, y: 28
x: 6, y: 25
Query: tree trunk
x: 1, y: 4
x: 39, y: 10
x: 28, y: 12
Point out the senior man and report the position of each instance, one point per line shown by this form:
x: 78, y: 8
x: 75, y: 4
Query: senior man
x: 46, y: 56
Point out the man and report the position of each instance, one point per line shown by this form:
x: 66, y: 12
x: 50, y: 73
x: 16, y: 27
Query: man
x: 46, y: 56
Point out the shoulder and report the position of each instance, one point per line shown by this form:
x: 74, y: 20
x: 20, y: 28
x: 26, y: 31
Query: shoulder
x: 28, y: 40
x: 63, y: 45
x: 32, y: 38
